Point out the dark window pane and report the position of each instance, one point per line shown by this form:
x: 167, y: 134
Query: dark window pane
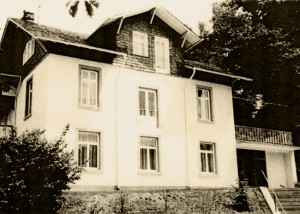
x: 143, y: 159
x: 152, y: 159
x: 93, y: 156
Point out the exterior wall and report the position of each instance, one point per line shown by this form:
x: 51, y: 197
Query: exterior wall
x: 39, y: 100
x: 55, y: 104
x: 276, y: 169
x: 178, y: 142
x: 281, y: 169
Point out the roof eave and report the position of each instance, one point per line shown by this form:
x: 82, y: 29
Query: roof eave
x: 237, y: 77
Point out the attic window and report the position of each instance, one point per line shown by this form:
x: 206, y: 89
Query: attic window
x: 140, y: 43
x: 29, y: 50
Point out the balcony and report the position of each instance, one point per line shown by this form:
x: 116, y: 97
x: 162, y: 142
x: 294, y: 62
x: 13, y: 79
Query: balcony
x: 244, y: 134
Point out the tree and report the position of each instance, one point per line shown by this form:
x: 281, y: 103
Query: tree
x: 89, y: 6
x: 34, y: 172
x: 258, y: 39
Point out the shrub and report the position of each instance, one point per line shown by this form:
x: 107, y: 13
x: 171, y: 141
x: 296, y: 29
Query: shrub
x: 241, y: 202
x: 34, y: 172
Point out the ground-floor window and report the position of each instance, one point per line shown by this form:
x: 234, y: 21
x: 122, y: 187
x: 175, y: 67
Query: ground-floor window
x: 149, y: 154
x: 89, y: 149
x: 207, y: 158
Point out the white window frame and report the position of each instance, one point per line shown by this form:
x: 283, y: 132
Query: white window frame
x: 140, y: 43
x: 28, y: 50
x: 87, y: 100
x: 162, y: 60
x: 28, y: 98
x: 147, y: 146
x: 206, y: 154
x: 204, y: 104
x: 147, y: 112
x: 87, y: 163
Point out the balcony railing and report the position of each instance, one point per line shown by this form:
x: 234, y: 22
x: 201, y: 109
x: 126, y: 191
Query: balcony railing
x: 5, y: 130
x: 259, y: 135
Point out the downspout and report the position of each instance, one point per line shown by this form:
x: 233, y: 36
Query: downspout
x: 186, y: 131
x: 117, y: 123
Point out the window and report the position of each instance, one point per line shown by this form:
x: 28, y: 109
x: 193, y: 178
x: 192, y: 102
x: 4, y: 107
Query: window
x: 89, y: 150
x: 149, y: 154
x: 204, y: 104
x: 28, y: 102
x: 207, y: 158
x: 29, y: 50
x: 140, y: 43
x: 162, y: 60
x: 147, y: 102
x: 89, y: 88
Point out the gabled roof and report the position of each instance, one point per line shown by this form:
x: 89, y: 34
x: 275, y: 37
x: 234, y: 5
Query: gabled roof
x: 163, y: 14
x: 50, y: 33
x: 56, y: 35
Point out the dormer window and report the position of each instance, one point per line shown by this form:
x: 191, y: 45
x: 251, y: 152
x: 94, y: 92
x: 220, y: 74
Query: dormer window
x: 140, y: 43
x: 162, y: 59
x: 29, y: 50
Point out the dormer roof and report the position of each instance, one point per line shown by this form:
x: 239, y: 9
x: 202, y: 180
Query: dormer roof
x: 160, y: 12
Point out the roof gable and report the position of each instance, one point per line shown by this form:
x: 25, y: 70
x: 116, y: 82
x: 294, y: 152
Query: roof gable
x: 164, y: 15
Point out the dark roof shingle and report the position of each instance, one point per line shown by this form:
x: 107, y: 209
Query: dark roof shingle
x: 50, y: 33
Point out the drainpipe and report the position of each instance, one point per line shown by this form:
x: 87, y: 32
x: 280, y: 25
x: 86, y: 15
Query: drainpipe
x: 117, y: 122
x: 186, y: 130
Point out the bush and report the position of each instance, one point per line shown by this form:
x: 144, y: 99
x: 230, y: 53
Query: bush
x: 241, y: 202
x: 34, y: 172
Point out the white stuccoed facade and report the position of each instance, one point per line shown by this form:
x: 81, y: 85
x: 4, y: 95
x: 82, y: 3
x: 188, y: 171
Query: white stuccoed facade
x: 55, y: 104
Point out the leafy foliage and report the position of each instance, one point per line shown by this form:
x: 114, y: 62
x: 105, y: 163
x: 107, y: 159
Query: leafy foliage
x: 34, y: 172
x: 258, y: 39
x: 241, y: 199
x: 89, y: 6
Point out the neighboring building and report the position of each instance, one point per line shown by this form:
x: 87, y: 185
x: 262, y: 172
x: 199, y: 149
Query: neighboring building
x: 140, y: 115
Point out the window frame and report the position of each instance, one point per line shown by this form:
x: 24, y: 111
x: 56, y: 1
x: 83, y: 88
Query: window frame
x: 206, y: 152
x: 28, y: 51
x: 210, y: 99
x: 28, y: 98
x: 147, y: 106
x: 166, y: 69
x: 157, y: 161
x: 99, y: 150
x: 136, y: 38
x: 98, y: 87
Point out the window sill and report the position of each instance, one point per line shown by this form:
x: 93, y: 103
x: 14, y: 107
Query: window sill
x: 139, y: 55
x: 163, y: 71
x: 27, y: 117
x: 208, y: 175
x: 92, y: 171
x: 89, y: 108
x: 149, y: 173
x: 206, y: 121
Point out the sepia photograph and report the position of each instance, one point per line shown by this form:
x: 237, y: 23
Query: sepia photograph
x: 150, y: 106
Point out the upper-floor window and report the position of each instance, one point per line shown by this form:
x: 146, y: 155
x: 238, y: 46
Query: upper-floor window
x: 149, y: 154
x: 147, y: 102
x: 207, y: 158
x: 89, y: 149
x: 28, y: 101
x: 204, y: 104
x: 29, y: 50
x: 89, y: 87
x: 162, y: 58
x: 140, y: 43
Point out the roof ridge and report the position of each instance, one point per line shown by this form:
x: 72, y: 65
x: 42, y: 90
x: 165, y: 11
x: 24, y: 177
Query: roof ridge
x: 47, y: 26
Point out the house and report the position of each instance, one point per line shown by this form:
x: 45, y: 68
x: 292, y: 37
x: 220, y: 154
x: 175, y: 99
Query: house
x: 140, y: 114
